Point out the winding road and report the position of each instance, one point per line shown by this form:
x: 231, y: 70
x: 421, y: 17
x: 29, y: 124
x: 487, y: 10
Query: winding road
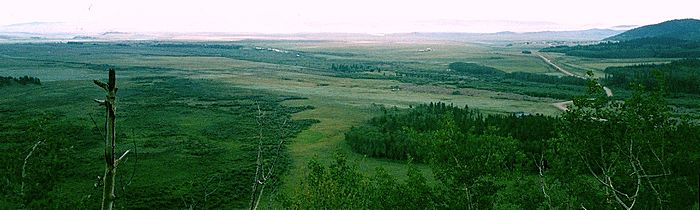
x: 565, y: 104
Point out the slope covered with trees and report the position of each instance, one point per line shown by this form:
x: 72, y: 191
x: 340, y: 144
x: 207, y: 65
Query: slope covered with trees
x: 670, y: 39
x: 683, y: 29
x: 651, y: 47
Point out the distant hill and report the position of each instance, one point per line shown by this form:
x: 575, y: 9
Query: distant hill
x: 683, y: 29
x: 670, y: 39
x: 582, y: 35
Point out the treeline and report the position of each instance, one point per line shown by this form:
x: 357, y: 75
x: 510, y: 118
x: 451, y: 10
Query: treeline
x: 400, y: 134
x: 657, y: 47
x: 547, y: 79
x: 196, y: 45
x: 682, y: 76
x: 24, y: 80
x: 471, y: 75
x: 601, y: 154
x: 354, y: 67
x: 473, y: 69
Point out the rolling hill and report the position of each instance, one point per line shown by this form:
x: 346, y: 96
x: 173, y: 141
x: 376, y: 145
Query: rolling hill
x: 670, y: 39
x: 581, y: 35
x: 684, y: 29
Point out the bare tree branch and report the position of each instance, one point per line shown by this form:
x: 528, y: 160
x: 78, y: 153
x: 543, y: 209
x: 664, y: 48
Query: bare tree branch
x: 543, y: 183
x: 24, y: 166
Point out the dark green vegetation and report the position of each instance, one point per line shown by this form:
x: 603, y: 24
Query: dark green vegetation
x: 472, y: 69
x: 652, y: 47
x: 684, y: 29
x: 6, y: 81
x: 540, y: 85
x: 681, y: 76
x: 602, y: 154
x: 340, y: 185
x: 417, y: 132
x: 193, y: 142
x: 354, y: 68
x: 670, y: 39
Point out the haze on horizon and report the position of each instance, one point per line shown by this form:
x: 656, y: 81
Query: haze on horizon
x: 354, y: 16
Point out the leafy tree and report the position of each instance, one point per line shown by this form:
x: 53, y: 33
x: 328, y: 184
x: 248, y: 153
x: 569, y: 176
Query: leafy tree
x: 626, y: 147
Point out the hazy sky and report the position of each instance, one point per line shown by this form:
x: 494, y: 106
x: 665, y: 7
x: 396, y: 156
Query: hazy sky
x: 369, y: 16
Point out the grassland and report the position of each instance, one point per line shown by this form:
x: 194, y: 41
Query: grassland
x: 190, y: 108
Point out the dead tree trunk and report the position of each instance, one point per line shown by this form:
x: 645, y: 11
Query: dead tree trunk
x: 110, y: 137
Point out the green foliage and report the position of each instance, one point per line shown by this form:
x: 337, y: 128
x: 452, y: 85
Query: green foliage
x: 24, y: 80
x: 188, y: 138
x: 628, y: 148
x: 354, y: 68
x: 681, y: 76
x: 340, y: 185
x: 605, y: 154
x: 538, y: 85
x: 418, y: 132
x: 652, y: 47
x: 474, y: 69
x: 54, y: 163
x: 546, y: 79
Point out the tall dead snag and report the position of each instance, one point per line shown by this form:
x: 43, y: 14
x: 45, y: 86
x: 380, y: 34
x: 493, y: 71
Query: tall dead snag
x: 110, y: 138
x: 261, y: 176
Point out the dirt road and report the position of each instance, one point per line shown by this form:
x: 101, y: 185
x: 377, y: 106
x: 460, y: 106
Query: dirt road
x: 564, y: 106
x: 568, y: 73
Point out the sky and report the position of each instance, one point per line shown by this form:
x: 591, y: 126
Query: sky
x: 355, y: 16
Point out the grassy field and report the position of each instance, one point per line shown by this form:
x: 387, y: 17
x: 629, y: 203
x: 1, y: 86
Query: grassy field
x: 443, y: 53
x: 191, y: 108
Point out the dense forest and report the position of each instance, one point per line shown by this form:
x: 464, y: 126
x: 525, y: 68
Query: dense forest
x: 685, y: 29
x: 24, y: 80
x: 399, y: 134
x: 651, y: 47
x: 601, y: 154
x: 670, y: 39
x: 681, y: 76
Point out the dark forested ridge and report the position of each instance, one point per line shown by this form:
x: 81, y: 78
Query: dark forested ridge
x: 651, y: 47
x: 684, y: 29
x: 670, y: 39
x: 681, y: 76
